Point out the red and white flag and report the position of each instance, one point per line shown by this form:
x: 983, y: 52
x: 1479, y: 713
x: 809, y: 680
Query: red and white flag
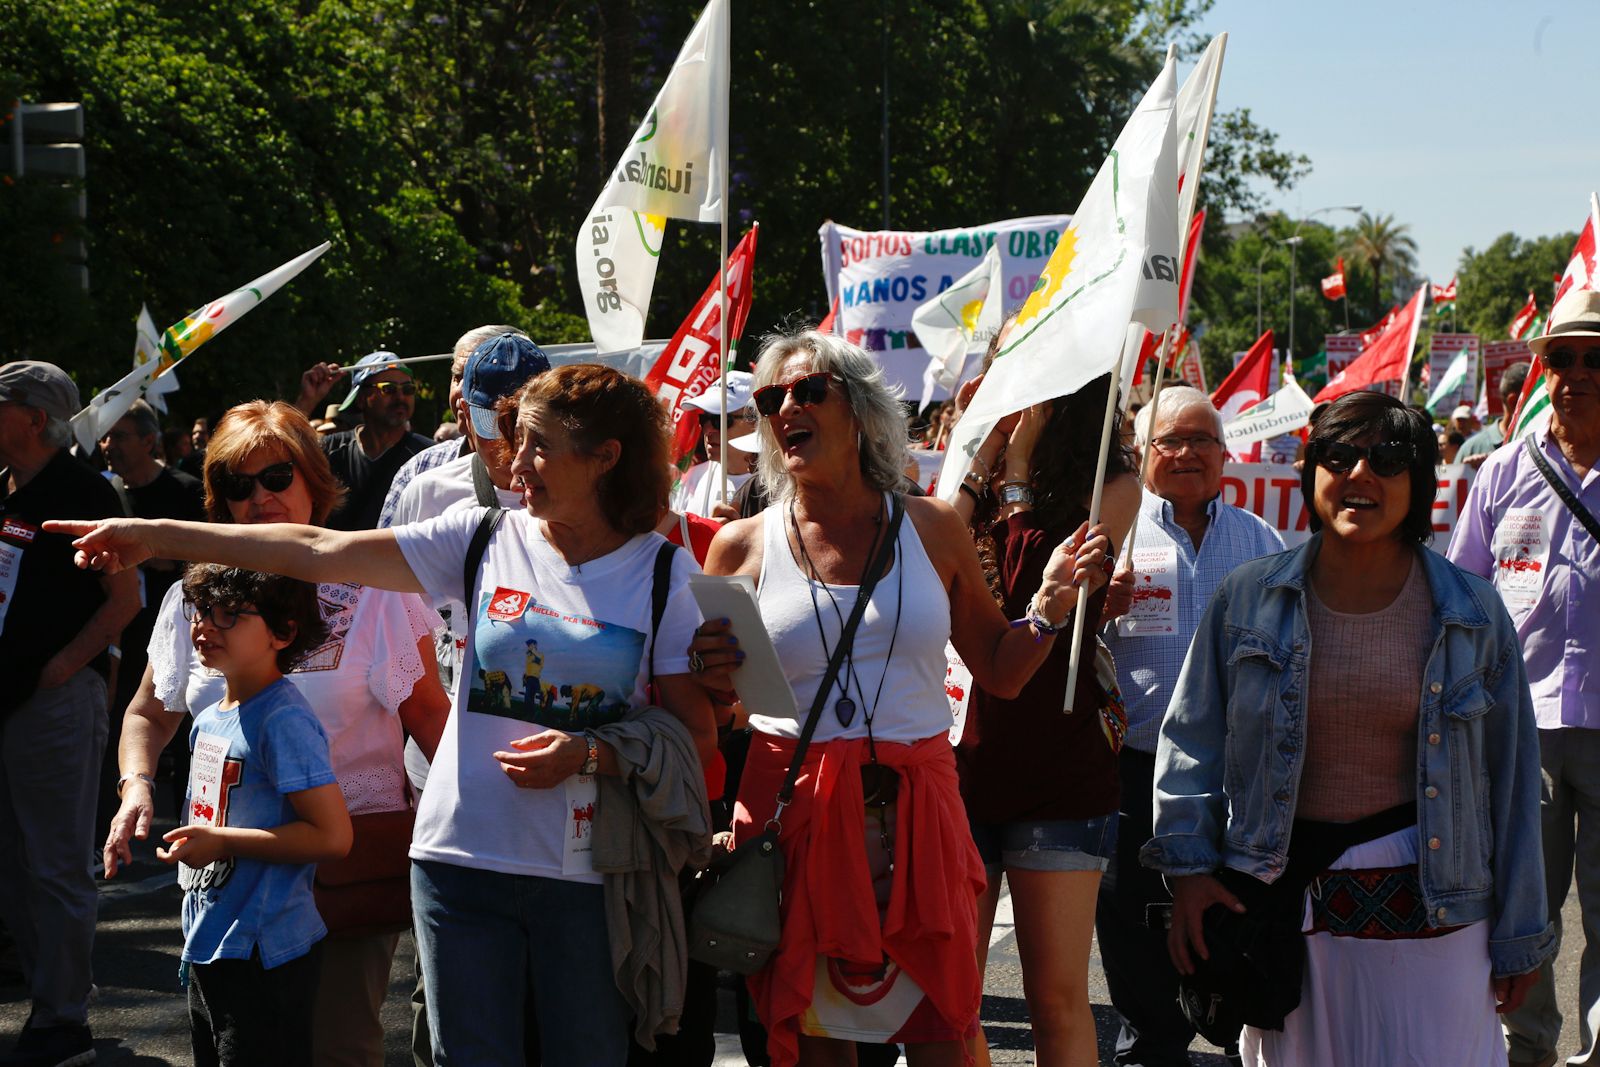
x: 1387, y: 359
x: 1445, y: 294
x: 693, y: 358
x: 1333, y: 284
x: 1246, y: 386
x: 1583, y: 272
x: 1519, y: 325
x: 1378, y: 329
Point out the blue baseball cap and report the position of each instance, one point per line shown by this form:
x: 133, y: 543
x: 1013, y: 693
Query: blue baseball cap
x: 496, y: 369
x: 367, y: 366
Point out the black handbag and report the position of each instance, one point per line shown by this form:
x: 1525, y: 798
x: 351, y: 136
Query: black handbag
x: 734, y: 920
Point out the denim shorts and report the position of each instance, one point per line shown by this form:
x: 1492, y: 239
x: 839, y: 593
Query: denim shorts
x: 1063, y: 845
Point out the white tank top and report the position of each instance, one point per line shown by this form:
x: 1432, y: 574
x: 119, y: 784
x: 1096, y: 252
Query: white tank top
x: 912, y: 705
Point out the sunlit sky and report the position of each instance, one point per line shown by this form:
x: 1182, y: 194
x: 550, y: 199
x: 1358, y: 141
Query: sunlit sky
x: 1464, y: 120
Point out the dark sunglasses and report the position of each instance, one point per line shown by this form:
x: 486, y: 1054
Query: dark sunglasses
x: 1564, y: 359
x: 390, y: 388
x: 237, y: 486
x: 222, y: 618
x: 1386, y: 459
x: 807, y: 390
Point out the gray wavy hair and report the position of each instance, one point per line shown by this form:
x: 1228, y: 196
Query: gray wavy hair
x: 884, y: 441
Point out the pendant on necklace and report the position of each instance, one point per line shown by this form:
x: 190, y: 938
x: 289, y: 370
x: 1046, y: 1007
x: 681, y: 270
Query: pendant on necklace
x: 844, y: 709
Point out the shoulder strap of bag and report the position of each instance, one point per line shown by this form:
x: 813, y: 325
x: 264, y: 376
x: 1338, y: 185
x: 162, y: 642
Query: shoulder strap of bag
x: 121, y: 488
x: 475, y: 549
x: 482, y: 485
x: 880, y: 563
x: 659, y: 586
x: 1570, y: 499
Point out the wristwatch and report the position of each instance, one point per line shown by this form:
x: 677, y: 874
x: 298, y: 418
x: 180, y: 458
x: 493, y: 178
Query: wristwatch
x: 139, y: 777
x: 592, y: 764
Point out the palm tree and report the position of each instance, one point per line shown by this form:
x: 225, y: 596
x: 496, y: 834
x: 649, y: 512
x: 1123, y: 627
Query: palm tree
x: 1380, y: 243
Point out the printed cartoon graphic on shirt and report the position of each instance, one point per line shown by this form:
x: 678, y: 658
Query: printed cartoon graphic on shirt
x: 549, y: 667
x: 213, y: 774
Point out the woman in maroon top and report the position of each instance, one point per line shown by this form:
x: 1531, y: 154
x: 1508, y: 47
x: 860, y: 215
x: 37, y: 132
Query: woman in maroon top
x: 1040, y: 785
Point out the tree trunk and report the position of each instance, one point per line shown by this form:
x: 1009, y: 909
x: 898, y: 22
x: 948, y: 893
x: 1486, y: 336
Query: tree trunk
x: 617, y: 23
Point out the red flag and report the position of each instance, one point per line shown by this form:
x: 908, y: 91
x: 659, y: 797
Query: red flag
x: 1583, y: 272
x: 1519, y: 325
x: 830, y: 321
x: 1372, y: 333
x: 1444, y: 294
x: 1388, y: 359
x: 1333, y: 284
x: 692, y: 360
x: 1248, y: 384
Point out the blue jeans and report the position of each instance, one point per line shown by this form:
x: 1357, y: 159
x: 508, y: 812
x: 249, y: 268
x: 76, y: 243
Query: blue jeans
x: 1055, y: 845
x: 483, y: 937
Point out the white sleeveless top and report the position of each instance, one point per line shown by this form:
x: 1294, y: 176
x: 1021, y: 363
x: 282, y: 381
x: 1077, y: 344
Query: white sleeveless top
x: 912, y: 705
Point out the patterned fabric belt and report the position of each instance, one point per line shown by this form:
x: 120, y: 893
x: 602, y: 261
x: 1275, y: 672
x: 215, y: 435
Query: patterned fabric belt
x: 1376, y: 903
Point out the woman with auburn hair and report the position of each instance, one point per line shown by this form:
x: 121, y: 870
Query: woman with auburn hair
x: 1348, y: 780
x: 879, y: 904
x: 562, y: 645
x: 371, y: 682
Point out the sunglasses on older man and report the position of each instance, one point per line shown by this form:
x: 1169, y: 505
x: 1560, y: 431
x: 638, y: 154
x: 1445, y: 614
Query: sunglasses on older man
x: 807, y: 390
x: 389, y: 389
x: 1564, y: 359
x: 1385, y: 459
x: 237, y: 486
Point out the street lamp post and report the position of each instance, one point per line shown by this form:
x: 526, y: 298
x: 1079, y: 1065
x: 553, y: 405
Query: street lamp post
x: 1293, y: 241
x: 1260, y: 260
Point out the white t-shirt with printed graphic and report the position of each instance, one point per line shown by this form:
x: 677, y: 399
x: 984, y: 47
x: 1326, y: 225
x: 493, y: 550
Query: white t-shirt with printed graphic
x: 550, y: 646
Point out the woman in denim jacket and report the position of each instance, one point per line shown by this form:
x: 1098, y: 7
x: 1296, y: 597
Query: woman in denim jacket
x: 1362, y: 690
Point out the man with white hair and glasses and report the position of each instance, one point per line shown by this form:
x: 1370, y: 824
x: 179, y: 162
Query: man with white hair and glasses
x: 1186, y: 541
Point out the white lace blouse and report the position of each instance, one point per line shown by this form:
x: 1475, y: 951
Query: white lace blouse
x: 355, y: 681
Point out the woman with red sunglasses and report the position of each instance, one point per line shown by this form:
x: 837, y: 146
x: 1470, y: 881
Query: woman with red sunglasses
x: 374, y: 680
x: 879, y: 909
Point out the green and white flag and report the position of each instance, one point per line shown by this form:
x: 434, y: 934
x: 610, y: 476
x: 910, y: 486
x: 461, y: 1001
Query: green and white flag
x: 1451, y: 381
x: 1535, y: 409
x: 1117, y: 264
x: 147, y: 349
x: 672, y: 169
x: 963, y: 317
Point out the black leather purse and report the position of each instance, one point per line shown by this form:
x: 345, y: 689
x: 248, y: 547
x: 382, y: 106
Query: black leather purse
x: 734, y: 919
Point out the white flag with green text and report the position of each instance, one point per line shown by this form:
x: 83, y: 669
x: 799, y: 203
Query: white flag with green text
x: 1117, y: 263
x: 963, y: 317
x: 672, y: 168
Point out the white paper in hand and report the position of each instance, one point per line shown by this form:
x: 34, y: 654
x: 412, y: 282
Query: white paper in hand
x: 759, y: 680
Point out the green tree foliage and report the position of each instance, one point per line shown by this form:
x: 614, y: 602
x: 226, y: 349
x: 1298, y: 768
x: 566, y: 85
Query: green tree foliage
x: 449, y: 151
x: 1493, y: 284
x: 1384, y: 247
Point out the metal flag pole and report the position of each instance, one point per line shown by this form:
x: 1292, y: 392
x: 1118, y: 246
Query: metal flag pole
x: 436, y: 357
x: 722, y: 278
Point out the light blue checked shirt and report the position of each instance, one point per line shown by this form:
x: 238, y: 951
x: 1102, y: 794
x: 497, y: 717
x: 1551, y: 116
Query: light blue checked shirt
x: 429, y: 458
x: 1148, y: 665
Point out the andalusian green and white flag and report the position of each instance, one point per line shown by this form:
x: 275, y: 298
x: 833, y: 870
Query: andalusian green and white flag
x: 672, y: 169
x: 1534, y: 409
x: 963, y: 317
x: 1451, y: 381
x: 1116, y: 264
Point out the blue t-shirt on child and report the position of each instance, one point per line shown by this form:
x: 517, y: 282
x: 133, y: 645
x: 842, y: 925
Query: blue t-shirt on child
x: 246, y: 760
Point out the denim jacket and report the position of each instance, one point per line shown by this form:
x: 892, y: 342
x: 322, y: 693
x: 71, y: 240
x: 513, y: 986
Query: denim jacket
x: 1233, y: 745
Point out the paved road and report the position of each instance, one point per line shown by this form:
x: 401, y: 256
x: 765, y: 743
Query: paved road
x: 139, y: 1017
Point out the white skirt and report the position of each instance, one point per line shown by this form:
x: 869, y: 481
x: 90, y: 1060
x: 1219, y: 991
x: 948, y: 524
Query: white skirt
x: 1414, y: 1002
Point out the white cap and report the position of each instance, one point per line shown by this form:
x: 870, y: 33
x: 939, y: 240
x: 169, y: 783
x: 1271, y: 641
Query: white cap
x: 740, y: 385
x: 749, y: 442
x: 1464, y: 411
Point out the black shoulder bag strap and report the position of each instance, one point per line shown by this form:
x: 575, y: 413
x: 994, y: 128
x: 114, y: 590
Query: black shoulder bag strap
x: 1568, y: 497
x: 880, y: 564
x: 475, y: 549
x: 658, y: 602
x: 482, y: 485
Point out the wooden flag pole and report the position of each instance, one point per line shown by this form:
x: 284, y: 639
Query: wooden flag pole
x: 722, y: 280
x: 1132, y: 341
x: 436, y: 357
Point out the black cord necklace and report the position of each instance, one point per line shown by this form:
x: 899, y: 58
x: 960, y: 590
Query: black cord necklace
x: 844, y: 709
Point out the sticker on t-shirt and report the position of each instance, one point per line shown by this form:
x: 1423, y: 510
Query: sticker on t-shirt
x: 958, y: 688
x: 1521, y: 548
x: 577, y: 846
x: 10, y: 566
x: 1154, y: 611
x: 212, y: 776
x: 507, y: 605
x: 550, y: 667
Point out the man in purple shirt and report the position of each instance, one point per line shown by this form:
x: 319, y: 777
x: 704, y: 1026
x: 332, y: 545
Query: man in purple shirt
x: 1518, y: 530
